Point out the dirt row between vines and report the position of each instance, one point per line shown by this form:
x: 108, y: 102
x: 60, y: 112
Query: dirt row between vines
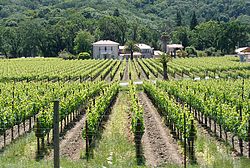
x: 125, y: 75
x: 71, y: 143
x: 158, y: 145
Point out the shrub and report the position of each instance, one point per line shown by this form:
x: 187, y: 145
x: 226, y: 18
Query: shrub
x: 181, y: 53
x: 84, y: 55
x: 201, y: 54
x: 66, y: 55
x: 219, y: 53
x: 191, y: 51
x: 213, y: 52
x: 210, y: 51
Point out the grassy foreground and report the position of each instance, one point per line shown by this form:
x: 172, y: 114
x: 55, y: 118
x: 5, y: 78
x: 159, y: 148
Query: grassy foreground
x: 115, y: 149
x: 214, y: 154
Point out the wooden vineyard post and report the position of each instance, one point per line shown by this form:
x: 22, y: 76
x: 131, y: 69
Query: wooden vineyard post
x: 38, y: 146
x: 192, y: 137
x: 185, y: 142
x: 13, y: 96
x: 56, y: 135
x: 18, y: 129
x: 4, y: 138
x: 12, y: 134
x: 138, y: 145
x: 29, y: 124
x: 87, y: 140
x: 48, y: 138
x: 249, y: 137
x: 43, y: 144
x: 61, y: 126
x: 240, y: 139
x: 38, y: 140
x: 242, y: 94
x: 24, y: 126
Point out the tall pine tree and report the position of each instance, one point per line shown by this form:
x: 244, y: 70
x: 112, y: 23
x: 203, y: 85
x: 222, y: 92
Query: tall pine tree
x: 193, y: 22
x: 116, y: 13
x: 178, y: 18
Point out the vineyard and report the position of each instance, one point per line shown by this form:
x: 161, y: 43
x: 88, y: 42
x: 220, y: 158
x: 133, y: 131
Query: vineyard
x: 199, y: 118
x: 39, y: 69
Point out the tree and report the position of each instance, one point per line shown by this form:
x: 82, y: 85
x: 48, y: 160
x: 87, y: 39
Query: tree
x: 178, y: 18
x: 180, y: 35
x: 11, y: 42
x: 193, y: 22
x: 47, y: 43
x: 116, y: 13
x: 31, y: 37
x: 122, y: 28
x: 113, y: 28
x: 83, y: 42
x: 131, y: 47
x: 135, y: 27
x: 84, y: 55
x: 182, y: 54
x: 234, y: 34
x: 164, y: 59
x: 207, y: 35
x: 165, y: 38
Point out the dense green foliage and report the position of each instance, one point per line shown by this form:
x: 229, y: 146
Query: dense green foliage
x: 99, y: 108
x: 224, y: 101
x: 53, y: 69
x: 72, y: 96
x: 32, y: 28
x: 213, y: 67
x: 23, y: 100
x: 136, y: 112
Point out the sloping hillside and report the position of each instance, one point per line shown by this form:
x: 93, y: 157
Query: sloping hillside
x: 47, y: 27
x: 153, y: 12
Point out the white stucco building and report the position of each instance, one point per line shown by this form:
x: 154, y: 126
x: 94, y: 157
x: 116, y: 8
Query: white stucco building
x: 105, y: 49
x: 244, y: 54
x: 172, y: 48
x: 146, y: 50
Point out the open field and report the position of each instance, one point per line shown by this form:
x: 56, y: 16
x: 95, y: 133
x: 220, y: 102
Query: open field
x: 103, y: 124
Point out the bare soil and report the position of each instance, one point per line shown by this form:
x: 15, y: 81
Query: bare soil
x: 125, y: 76
x: 71, y: 143
x: 107, y: 78
x: 143, y: 75
x: 158, y: 145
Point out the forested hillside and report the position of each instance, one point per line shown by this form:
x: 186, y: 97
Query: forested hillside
x: 45, y: 27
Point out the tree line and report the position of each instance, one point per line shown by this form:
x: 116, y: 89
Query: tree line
x: 75, y: 34
x: 215, y: 35
x: 38, y: 35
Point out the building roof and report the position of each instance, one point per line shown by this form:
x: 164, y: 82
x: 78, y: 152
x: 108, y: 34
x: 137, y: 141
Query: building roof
x: 105, y: 42
x: 144, y: 46
x: 121, y: 47
x: 128, y: 54
x: 175, y: 46
x: 242, y: 50
x: 157, y: 53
